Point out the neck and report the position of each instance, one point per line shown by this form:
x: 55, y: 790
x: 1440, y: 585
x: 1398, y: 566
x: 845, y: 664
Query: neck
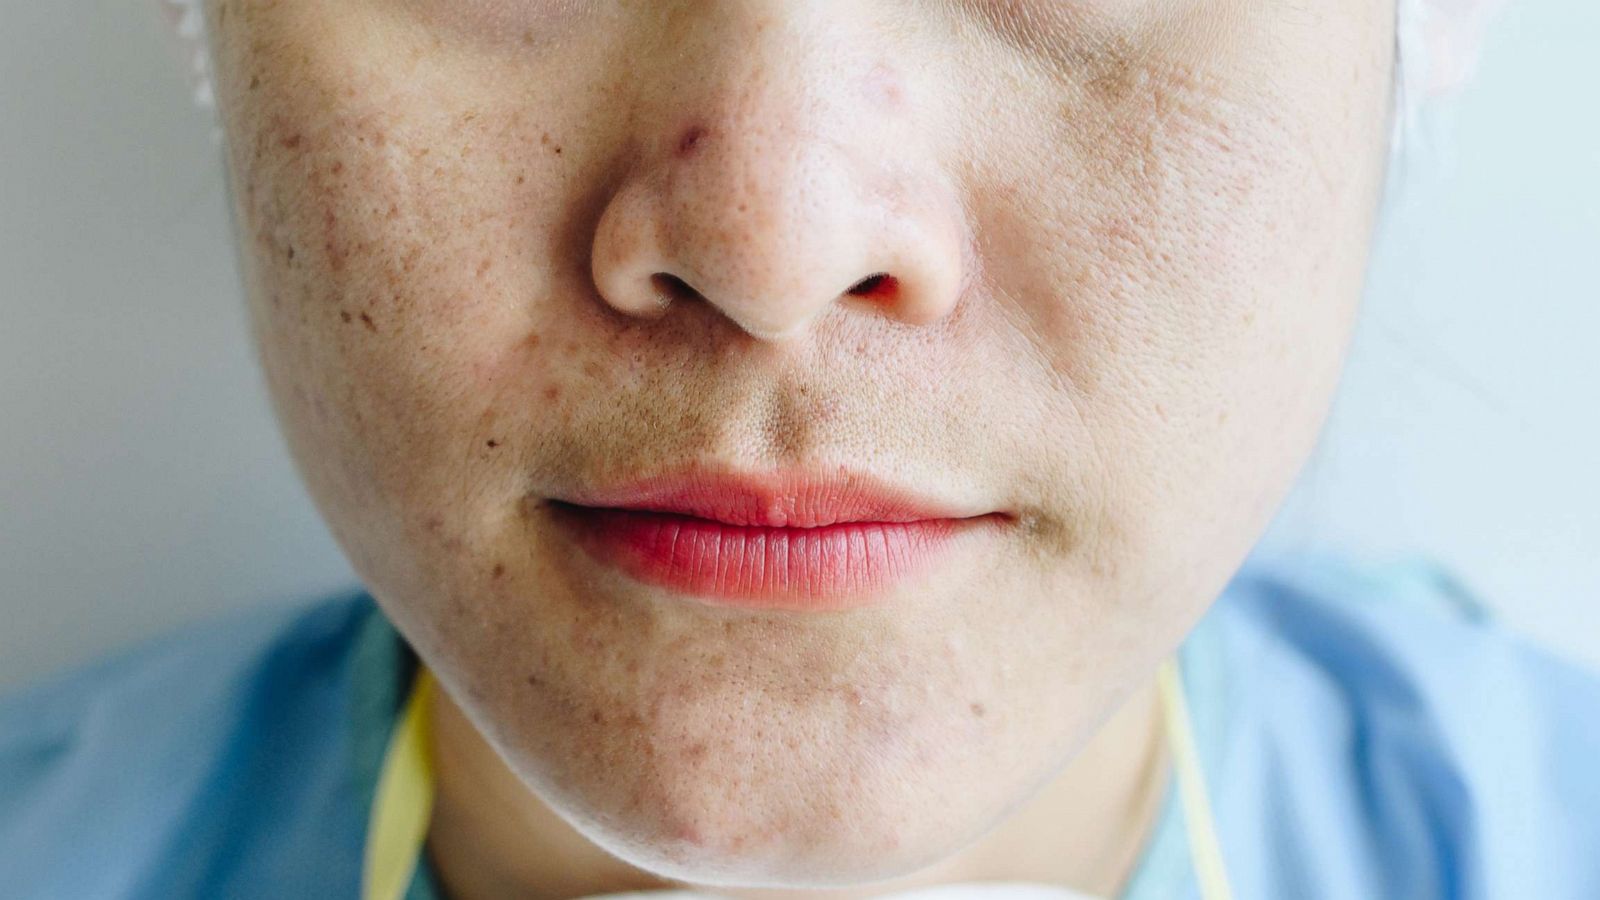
x: 490, y: 837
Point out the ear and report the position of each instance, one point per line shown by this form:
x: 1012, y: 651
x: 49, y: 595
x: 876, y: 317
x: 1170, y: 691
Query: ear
x: 186, y: 25
x: 1452, y: 33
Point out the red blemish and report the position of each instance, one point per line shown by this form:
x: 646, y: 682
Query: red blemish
x: 337, y: 168
x: 690, y: 140
x: 292, y: 141
x: 552, y: 392
x: 367, y: 320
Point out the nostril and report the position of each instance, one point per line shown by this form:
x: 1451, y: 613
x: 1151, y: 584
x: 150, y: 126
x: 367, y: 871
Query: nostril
x: 670, y: 287
x: 880, y: 285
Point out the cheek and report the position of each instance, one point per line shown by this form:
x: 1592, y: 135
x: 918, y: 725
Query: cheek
x: 390, y: 269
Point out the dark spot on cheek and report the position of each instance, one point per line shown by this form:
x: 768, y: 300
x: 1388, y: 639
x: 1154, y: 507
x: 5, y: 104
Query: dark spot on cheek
x: 533, y: 681
x: 978, y: 710
x: 493, y: 443
x: 690, y: 140
x: 367, y: 321
x: 337, y: 167
x: 552, y: 393
x: 292, y: 141
x: 498, y: 570
x: 255, y: 82
x: 291, y: 251
x: 344, y: 316
x: 531, y: 342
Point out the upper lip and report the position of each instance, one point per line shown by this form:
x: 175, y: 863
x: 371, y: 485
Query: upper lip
x: 785, y: 498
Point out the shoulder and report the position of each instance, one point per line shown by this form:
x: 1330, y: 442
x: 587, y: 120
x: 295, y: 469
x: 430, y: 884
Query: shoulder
x: 1407, y: 726
x: 151, y: 759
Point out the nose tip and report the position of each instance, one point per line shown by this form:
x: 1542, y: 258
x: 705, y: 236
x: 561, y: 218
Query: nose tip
x: 775, y: 230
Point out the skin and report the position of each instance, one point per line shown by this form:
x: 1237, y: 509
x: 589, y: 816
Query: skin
x: 1128, y: 238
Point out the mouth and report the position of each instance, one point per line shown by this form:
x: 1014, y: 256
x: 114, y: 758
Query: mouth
x: 783, y: 540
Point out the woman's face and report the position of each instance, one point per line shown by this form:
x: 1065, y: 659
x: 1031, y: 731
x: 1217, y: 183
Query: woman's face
x: 1126, y: 240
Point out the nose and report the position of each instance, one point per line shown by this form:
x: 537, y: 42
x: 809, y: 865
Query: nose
x: 777, y: 174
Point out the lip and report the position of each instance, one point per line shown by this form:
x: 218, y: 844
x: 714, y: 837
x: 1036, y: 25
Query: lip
x: 789, y: 540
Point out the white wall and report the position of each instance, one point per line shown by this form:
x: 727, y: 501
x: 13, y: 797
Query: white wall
x: 143, y: 483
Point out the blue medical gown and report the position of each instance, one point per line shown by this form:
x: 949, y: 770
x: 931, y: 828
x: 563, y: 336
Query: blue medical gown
x: 1367, y: 731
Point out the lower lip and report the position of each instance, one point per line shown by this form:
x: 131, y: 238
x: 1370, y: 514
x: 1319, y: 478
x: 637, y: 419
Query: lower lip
x: 831, y: 567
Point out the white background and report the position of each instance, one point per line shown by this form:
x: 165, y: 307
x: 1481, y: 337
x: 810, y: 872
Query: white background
x: 143, y: 483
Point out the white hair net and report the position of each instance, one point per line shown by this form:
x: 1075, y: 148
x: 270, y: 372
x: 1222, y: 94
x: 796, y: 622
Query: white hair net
x: 1437, y: 42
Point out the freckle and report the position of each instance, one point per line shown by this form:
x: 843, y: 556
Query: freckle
x: 544, y: 138
x: 291, y: 141
x: 367, y: 320
x: 493, y: 443
x: 498, y: 571
x: 527, y: 38
x: 558, y: 149
x: 596, y: 718
x: 484, y: 266
x: 521, y: 179
x: 531, y: 341
x: 533, y: 680
x: 394, y: 210
x: 552, y: 392
x: 344, y: 316
x: 291, y: 251
x: 338, y: 167
x: 978, y: 710
x: 255, y: 82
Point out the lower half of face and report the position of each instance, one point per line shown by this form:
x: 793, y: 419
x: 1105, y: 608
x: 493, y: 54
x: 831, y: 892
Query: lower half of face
x: 1125, y: 243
